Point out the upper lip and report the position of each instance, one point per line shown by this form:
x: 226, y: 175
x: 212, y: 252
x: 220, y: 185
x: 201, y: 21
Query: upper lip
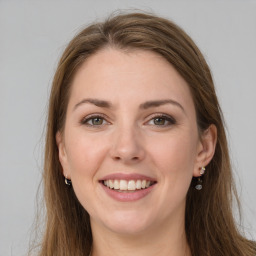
x: 125, y: 176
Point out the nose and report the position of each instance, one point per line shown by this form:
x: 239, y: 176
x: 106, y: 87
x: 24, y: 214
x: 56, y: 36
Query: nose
x: 127, y: 146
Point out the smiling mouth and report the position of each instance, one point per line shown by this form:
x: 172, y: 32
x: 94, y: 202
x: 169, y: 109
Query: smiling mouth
x: 128, y: 185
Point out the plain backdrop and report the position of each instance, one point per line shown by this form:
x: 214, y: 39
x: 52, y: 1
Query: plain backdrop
x: 33, y: 34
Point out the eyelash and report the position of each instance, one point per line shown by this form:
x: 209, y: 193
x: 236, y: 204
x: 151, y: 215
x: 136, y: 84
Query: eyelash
x: 166, y: 118
x: 85, y: 120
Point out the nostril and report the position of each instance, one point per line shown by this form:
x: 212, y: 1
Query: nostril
x: 127, y: 154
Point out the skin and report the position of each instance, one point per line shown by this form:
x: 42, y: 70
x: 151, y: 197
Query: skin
x: 130, y: 139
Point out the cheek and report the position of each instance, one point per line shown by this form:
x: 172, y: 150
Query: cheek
x: 85, y: 155
x: 175, y: 155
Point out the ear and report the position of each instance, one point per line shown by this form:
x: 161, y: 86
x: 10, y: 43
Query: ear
x: 62, y: 153
x: 206, y: 149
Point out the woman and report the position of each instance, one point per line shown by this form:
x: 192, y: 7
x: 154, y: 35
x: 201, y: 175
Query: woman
x: 136, y: 158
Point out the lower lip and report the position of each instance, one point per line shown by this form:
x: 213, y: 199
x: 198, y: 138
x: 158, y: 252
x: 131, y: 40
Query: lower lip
x: 128, y: 196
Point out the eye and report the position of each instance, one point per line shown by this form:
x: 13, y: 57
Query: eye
x: 162, y: 120
x: 94, y: 121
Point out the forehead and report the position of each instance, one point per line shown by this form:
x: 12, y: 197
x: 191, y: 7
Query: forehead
x: 114, y: 74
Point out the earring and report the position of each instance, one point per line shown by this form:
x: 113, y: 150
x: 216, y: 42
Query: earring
x: 202, y: 170
x: 199, y: 184
x: 67, y: 181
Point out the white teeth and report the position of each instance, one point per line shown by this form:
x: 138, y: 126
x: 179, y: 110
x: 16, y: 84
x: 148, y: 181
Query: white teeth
x: 123, y: 185
x: 138, y: 184
x: 111, y: 183
x: 130, y: 185
x: 116, y: 184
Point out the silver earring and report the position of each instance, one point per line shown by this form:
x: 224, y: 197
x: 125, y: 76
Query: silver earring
x: 67, y: 181
x: 199, y: 184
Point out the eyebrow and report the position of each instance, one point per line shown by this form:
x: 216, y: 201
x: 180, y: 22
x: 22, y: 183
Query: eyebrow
x: 157, y: 103
x: 96, y: 102
x: 145, y: 105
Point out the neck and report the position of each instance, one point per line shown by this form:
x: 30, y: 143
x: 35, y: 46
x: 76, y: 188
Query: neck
x: 159, y: 241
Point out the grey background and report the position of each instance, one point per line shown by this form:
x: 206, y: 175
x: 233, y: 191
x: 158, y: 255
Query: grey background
x: 32, y: 36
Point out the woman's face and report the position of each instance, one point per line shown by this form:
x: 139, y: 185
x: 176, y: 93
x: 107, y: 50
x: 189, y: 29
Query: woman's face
x: 131, y: 124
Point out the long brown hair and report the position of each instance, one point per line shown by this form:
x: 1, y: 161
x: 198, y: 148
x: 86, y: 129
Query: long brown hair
x: 210, y: 225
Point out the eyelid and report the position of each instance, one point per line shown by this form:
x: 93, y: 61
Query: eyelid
x: 92, y: 116
x: 168, y: 117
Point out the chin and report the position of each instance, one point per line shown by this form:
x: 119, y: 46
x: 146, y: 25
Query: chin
x: 128, y: 223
